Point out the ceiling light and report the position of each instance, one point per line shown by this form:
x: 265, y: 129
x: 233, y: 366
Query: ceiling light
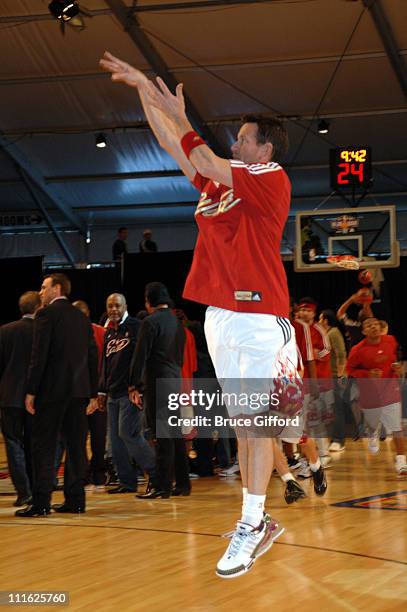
x: 101, y: 141
x: 63, y: 9
x: 323, y: 127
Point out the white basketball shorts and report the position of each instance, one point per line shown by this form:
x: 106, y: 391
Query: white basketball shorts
x: 248, y: 351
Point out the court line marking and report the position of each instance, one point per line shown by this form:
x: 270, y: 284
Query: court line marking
x: 197, y: 533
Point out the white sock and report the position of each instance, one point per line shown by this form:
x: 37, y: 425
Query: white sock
x: 287, y: 477
x: 315, y: 466
x: 244, y: 493
x: 401, y: 459
x: 253, y: 509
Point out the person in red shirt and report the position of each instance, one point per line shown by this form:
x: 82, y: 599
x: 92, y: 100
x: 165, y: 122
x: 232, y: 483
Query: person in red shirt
x: 237, y: 271
x: 97, y: 421
x: 374, y: 363
x: 321, y: 349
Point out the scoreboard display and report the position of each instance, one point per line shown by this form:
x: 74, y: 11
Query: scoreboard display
x: 351, y: 168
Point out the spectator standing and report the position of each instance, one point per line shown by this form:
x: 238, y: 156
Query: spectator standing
x: 15, y: 349
x: 61, y: 379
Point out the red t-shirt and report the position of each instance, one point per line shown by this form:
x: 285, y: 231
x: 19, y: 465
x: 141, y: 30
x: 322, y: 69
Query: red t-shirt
x: 237, y: 264
x: 99, y: 334
x: 304, y: 343
x: 375, y: 392
x: 322, y: 350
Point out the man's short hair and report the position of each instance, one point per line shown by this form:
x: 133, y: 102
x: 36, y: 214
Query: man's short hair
x: 29, y: 302
x: 307, y: 300
x: 157, y: 293
x: 82, y: 306
x: 58, y: 278
x: 121, y: 229
x: 117, y: 295
x: 365, y: 318
x: 270, y: 130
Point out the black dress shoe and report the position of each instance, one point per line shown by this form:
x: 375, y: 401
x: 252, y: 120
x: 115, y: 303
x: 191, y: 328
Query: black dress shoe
x: 181, y: 491
x: 153, y: 493
x: 121, y: 489
x: 32, y: 511
x: 65, y: 509
x: 22, y: 500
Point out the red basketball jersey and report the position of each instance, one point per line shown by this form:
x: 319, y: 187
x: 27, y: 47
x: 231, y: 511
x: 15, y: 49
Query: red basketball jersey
x: 237, y: 264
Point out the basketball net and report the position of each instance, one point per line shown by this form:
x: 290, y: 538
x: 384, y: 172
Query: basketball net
x: 347, y: 262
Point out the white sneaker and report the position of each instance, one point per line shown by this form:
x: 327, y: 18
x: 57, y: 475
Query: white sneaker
x: 336, y: 447
x: 244, y: 548
x: 373, y: 445
x: 275, y: 528
x: 233, y: 470
x: 305, y: 470
x: 325, y: 461
x: 401, y: 468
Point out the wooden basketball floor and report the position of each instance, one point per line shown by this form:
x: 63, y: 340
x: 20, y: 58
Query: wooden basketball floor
x: 128, y: 554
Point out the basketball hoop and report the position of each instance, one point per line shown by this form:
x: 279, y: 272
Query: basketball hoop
x: 347, y: 262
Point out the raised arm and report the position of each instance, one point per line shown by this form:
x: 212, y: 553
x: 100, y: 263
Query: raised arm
x: 341, y: 312
x: 199, y: 154
x: 161, y: 126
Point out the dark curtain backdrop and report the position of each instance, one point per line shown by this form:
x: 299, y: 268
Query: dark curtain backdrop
x: 330, y: 289
x: 18, y: 275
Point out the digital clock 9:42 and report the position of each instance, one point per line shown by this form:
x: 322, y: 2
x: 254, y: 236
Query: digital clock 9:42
x: 351, y: 167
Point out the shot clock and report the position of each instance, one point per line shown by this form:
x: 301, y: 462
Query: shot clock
x: 351, y: 168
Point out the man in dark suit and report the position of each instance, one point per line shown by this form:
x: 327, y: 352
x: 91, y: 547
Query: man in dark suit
x: 15, y: 350
x: 63, y: 375
x: 159, y: 355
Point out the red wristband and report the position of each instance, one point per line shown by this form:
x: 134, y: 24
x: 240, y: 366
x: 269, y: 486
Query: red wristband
x: 189, y: 141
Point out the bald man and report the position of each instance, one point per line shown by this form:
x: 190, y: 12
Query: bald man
x: 125, y: 420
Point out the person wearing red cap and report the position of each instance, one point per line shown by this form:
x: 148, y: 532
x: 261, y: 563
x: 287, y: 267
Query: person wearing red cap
x: 321, y: 348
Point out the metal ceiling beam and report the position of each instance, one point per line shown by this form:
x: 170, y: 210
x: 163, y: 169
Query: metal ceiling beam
x: 38, y: 201
x: 16, y: 19
x: 131, y: 25
x: 85, y: 76
x: 140, y: 126
x: 152, y: 174
x: 386, y: 34
x: 49, y: 192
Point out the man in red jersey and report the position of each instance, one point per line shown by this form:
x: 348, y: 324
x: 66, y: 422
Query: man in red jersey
x: 237, y: 271
x: 374, y: 363
x: 321, y: 348
x: 313, y: 467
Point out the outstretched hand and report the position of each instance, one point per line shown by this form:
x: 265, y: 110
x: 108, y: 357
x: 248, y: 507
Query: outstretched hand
x: 161, y: 97
x: 121, y: 71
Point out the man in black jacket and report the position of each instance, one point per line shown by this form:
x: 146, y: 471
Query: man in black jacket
x: 125, y: 422
x: 61, y: 379
x: 15, y: 350
x: 159, y: 355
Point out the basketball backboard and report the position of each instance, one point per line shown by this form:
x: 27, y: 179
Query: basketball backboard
x: 366, y: 233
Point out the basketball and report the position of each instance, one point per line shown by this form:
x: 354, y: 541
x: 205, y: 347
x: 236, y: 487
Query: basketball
x: 365, y: 277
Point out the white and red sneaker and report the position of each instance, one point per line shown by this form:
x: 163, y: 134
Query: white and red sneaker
x: 247, y: 544
x: 240, y: 555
